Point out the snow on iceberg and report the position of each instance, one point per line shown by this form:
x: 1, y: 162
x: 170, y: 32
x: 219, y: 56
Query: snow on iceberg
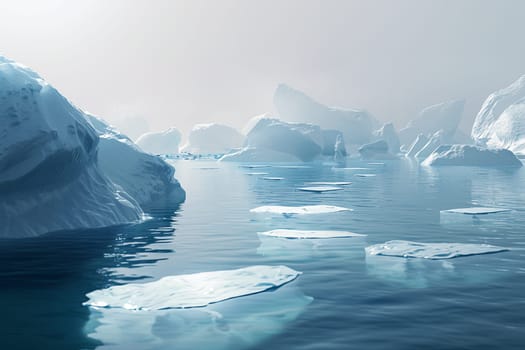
x: 307, y: 209
x: 444, y: 116
x: 193, y: 290
x: 466, y: 155
x: 165, y: 142
x: 309, y: 234
x: 319, y: 189
x: 49, y: 176
x: 501, y: 121
x: 292, y: 105
x: 213, y: 139
x: 147, y: 178
x: 434, y: 251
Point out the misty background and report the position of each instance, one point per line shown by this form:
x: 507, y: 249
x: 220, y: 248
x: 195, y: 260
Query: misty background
x: 161, y: 63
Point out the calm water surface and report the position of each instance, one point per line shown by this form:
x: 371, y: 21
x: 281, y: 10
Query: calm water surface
x: 343, y: 300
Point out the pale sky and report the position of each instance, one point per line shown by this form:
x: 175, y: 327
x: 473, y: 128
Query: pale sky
x: 177, y: 63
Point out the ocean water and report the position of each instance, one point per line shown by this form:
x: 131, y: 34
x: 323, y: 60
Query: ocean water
x: 343, y: 299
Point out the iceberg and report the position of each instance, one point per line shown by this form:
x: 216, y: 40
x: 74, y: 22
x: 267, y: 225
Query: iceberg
x: 213, y: 139
x: 309, y: 234
x: 388, y: 134
x: 252, y: 154
x: 147, y: 178
x: 165, y: 142
x: 466, y: 155
x: 433, y: 251
x: 434, y: 142
x: 356, y: 125
x: 320, y: 189
x: 376, y: 150
x: 307, y: 209
x: 333, y: 144
x: 501, y: 121
x: 420, y: 142
x: 444, y: 116
x: 50, y: 179
x: 193, y: 290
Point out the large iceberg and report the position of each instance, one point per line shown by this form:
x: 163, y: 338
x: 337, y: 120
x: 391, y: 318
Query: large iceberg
x: 147, y: 178
x: 466, y: 155
x: 501, y: 121
x: 213, y: 139
x: 193, y: 290
x: 408, y: 249
x: 388, y: 133
x: 376, y: 150
x: 356, y: 125
x: 432, y: 144
x: 165, y: 142
x: 49, y: 176
x: 444, y: 116
x: 420, y: 142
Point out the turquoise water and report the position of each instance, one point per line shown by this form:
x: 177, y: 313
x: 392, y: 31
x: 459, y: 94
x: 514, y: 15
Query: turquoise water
x: 343, y: 300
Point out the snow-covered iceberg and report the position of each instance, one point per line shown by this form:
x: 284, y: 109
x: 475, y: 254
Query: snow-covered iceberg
x: 147, y: 178
x: 356, y: 125
x: 466, y: 155
x: 309, y: 234
x: 165, y: 142
x: 376, y: 150
x: 49, y: 176
x: 193, y: 290
x: 300, y: 210
x: 501, y: 121
x: 434, y: 251
x: 213, y: 139
x: 444, y: 116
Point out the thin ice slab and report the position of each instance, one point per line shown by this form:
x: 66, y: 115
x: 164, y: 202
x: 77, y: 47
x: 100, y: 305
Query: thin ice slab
x: 193, y: 290
x: 476, y: 211
x: 309, y: 234
x: 306, y: 209
x: 273, y: 178
x: 365, y: 175
x: 320, y: 189
x: 256, y: 174
x: 329, y: 183
x: 434, y: 251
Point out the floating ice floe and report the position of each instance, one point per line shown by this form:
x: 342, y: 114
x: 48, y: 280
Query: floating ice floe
x: 307, y: 209
x: 309, y: 234
x: 329, y: 183
x: 350, y: 169
x: 193, y: 290
x: 320, y: 189
x: 434, y: 251
x: 273, y: 178
x: 365, y: 175
x: 293, y: 166
x: 256, y: 174
x: 476, y: 211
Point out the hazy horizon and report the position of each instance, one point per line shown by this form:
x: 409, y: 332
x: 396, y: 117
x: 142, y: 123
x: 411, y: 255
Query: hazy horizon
x: 178, y: 63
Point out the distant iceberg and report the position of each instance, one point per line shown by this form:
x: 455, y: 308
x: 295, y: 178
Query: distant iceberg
x: 213, y: 138
x: 193, y: 290
x: 300, y: 210
x: 50, y: 179
x: 165, y: 142
x: 408, y: 249
x: 309, y: 234
x: 376, y: 150
x: 466, y: 155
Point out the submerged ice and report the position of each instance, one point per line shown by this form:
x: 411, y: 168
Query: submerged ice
x: 408, y: 249
x: 193, y: 290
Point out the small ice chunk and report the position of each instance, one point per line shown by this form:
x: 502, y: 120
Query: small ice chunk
x: 365, y: 175
x: 476, y: 211
x: 273, y: 178
x: 307, y: 209
x: 328, y: 183
x: 320, y: 189
x: 193, y: 290
x: 256, y: 174
x: 305, y: 234
x: 408, y: 249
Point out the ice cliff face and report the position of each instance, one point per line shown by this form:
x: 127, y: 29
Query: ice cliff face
x: 147, y: 178
x: 467, y: 155
x: 49, y: 176
x: 213, y: 139
x: 501, y: 121
x: 444, y: 116
x: 165, y: 142
x: 294, y: 106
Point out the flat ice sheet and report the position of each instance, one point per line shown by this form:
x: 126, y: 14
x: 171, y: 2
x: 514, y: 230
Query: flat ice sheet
x: 476, y: 211
x: 256, y: 174
x: 273, y: 178
x: 329, y: 183
x: 320, y: 189
x: 193, y: 290
x: 306, y: 209
x: 408, y: 249
x: 306, y: 234
x: 365, y: 175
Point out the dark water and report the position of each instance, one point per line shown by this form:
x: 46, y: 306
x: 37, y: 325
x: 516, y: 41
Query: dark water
x: 343, y: 300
